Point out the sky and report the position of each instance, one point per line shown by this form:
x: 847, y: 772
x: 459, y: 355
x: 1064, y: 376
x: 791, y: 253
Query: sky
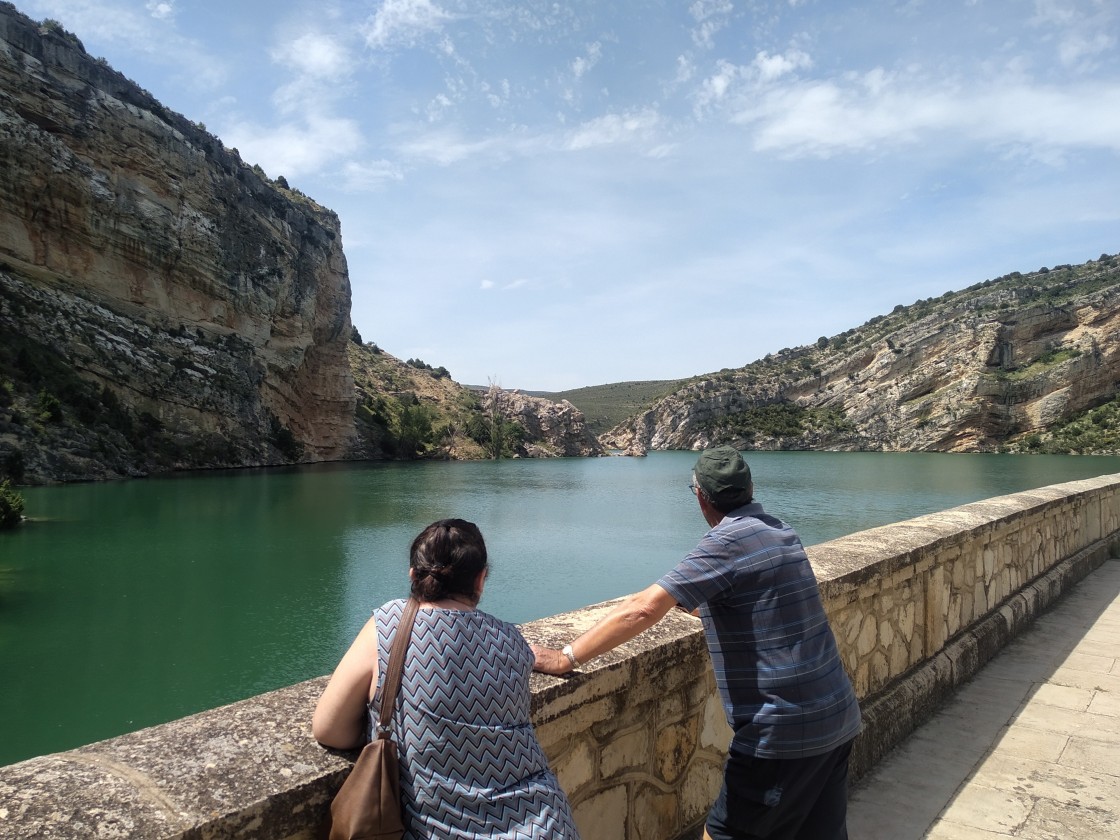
x: 550, y: 195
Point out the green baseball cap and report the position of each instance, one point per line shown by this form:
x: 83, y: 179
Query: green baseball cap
x: 724, y: 476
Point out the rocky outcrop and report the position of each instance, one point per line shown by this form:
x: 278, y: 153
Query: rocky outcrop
x: 552, y: 429
x: 967, y: 372
x: 200, y: 310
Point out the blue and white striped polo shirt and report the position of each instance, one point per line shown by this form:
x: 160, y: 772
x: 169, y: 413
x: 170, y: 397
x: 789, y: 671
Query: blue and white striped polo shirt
x: 779, y: 674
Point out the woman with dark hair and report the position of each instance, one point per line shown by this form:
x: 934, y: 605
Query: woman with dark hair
x: 471, y: 765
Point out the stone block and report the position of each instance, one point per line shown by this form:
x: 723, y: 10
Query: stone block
x: 886, y: 633
x: 899, y: 656
x: 698, y: 691
x: 700, y: 787
x: 673, y: 705
x: 627, y: 752
x: 861, y: 679
x: 953, y: 616
x: 849, y: 626
x: 868, y: 635
x: 558, y: 729
x: 626, y: 716
x: 656, y: 813
x: 906, y: 620
x: 576, y: 767
x: 880, y: 670
x: 603, y: 816
x: 674, y: 748
x: 988, y: 557
x: 715, y: 733
x: 555, y: 697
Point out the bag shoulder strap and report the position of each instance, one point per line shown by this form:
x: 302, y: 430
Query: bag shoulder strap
x: 395, y: 666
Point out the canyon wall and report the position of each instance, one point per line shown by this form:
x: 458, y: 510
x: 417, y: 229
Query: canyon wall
x: 971, y: 371
x: 195, y: 312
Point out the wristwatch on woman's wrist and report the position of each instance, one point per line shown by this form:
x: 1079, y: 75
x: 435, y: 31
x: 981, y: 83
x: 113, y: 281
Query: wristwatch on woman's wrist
x: 567, y: 651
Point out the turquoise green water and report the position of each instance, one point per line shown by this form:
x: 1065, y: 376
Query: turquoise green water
x: 130, y: 603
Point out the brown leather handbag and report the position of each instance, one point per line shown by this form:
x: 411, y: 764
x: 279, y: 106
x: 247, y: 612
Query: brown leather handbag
x: 368, y: 805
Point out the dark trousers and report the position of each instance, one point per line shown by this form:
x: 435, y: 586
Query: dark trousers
x: 783, y: 798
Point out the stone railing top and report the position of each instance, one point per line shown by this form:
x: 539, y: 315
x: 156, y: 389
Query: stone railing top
x: 240, y: 765
x: 847, y: 562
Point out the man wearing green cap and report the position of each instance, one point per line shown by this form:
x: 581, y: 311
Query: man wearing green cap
x: 787, y: 697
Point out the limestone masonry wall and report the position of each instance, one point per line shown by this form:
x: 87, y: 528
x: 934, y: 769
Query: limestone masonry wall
x: 637, y: 738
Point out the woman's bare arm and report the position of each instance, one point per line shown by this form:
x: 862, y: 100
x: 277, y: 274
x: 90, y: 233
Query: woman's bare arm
x: 340, y: 717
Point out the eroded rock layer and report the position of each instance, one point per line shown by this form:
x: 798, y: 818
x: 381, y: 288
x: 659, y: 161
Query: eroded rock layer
x: 183, y: 286
x: 971, y: 371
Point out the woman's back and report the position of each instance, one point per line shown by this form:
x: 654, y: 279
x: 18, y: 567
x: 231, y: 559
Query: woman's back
x: 471, y: 763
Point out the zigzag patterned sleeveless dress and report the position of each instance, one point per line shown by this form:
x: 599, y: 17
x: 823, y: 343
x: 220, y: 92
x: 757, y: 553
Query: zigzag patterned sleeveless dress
x: 471, y: 765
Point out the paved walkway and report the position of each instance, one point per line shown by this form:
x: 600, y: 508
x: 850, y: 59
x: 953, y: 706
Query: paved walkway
x: 1029, y: 748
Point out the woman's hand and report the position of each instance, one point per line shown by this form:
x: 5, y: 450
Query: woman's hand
x: 549, y: 661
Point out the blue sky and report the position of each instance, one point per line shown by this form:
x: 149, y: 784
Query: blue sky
x: 551, y: 195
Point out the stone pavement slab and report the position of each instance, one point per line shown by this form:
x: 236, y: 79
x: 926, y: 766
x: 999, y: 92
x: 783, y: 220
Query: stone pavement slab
x: 1028, y: 749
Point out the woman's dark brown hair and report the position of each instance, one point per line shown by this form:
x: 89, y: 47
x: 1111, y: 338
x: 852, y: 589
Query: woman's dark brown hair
x: 445, y: 560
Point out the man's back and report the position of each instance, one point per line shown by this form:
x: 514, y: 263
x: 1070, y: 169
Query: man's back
x: 779, y: 674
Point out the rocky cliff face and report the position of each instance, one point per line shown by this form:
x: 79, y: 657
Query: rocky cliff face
x: 552, y: 429
x: 199, y: 312
x: 970, y: 371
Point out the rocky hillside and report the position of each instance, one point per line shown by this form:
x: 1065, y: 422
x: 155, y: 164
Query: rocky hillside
x: 410, y: 410
x: 994, y: 367
x: 166, y: 306
x: 163, y: 304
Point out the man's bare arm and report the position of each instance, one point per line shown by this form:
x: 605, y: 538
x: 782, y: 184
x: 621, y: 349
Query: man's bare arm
x: 636, y: 614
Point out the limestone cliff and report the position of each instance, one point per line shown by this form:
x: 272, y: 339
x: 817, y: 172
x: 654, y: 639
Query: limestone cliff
x: 971, y: 371
x: 162, y: 303
x: 410, y: 410
x: 550, y: 429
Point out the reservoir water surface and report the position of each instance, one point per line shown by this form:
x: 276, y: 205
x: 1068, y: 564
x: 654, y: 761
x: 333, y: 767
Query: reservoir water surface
x: 127, y: 604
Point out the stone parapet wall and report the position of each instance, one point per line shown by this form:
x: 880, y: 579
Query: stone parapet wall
x: 919, y: 606
x: 637, y: 738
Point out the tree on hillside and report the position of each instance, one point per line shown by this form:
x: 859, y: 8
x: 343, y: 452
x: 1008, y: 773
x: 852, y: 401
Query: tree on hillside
x: 497, y: 432
x: 11, y: 506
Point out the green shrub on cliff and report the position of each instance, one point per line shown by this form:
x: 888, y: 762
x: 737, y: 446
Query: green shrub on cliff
x: 414, y: 432
x: 11, y: 506
x: 777, y: 420
x: 50, y: 409
x: 1095, y: 432
x: 284, y: 439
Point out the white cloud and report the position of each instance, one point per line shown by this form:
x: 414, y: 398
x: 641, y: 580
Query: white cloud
x: 160, y: 10
x: 584, y: 64
x: 403, y: 23
x: 1053, y: 13
x: 686, y: 69
x: 773, y: 67
x: 372, y: 175
x: 486, y: 284
x: 150, y: 35
x: 877, y: 110
x: 447, y: 147
x: 713, y: 90
x: 316, y: 55
x: 711, y: 16
x: 1080, y: 30
x: 1077, y: 50
x: 611, y: 129
x: 295, y: 149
